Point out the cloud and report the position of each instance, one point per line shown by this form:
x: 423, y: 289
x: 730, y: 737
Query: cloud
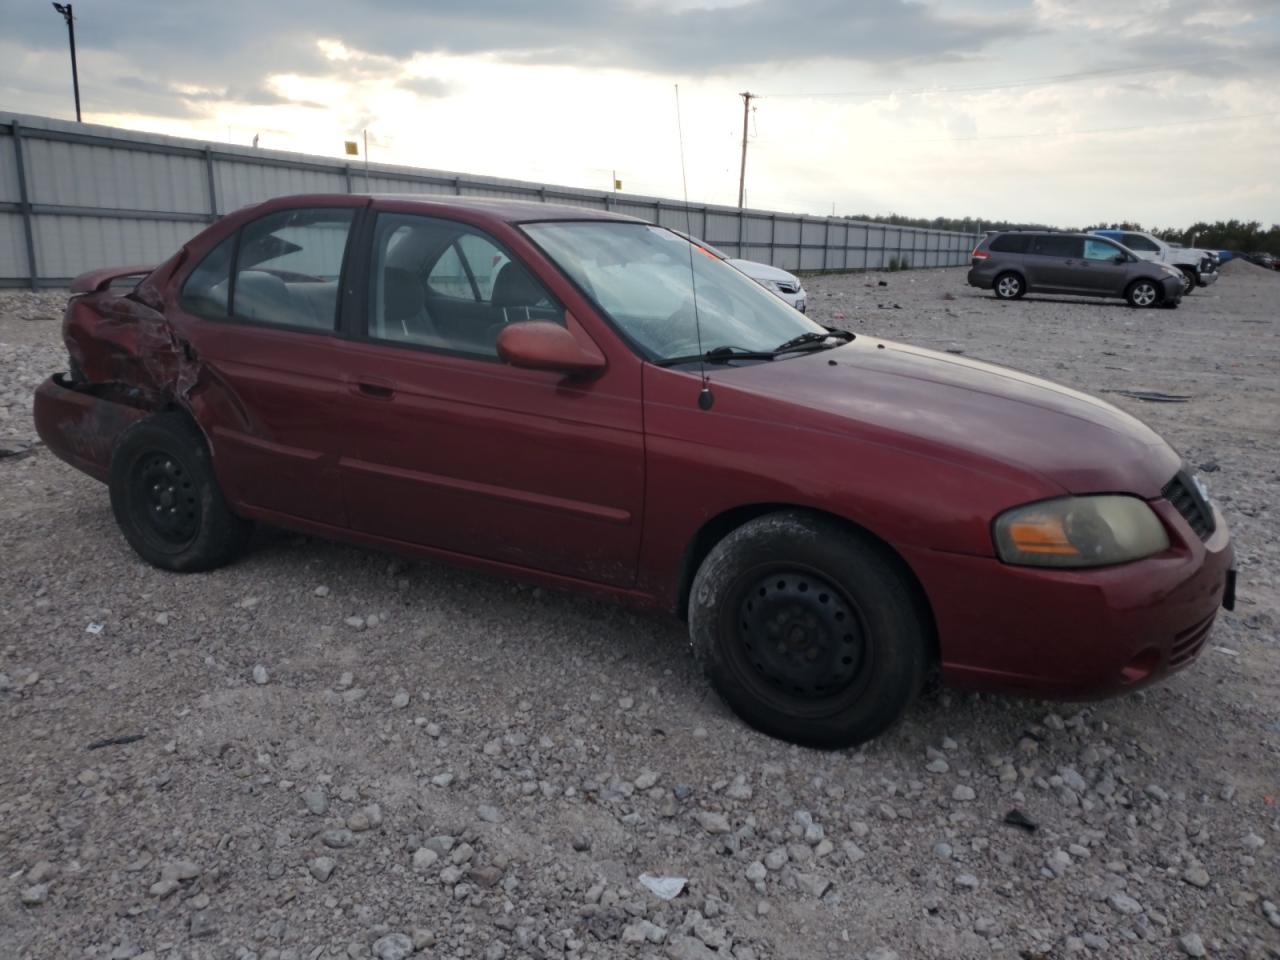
x: 423, y: 86
x: 689, y: 40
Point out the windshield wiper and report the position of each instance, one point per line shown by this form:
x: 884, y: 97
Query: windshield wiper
x: 719, y: 355
x: 813, y: 337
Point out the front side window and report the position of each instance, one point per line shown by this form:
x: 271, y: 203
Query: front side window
x: 288, y: 265
x: 445, y: 285
x: 206, y: 289
x: 650, y: 281
x: 1136, y: 241
x: 1058, y: 246
x: 1101, y: 250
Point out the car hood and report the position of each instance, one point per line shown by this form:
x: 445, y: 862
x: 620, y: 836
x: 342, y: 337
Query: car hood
x: 763, y: 271
x: 979, y: 414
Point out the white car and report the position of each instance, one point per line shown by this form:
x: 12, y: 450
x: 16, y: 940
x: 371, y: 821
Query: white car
x: 1198, y: 267
x: 785, y: 286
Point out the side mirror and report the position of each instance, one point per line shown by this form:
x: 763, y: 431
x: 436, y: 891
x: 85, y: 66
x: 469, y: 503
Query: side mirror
x: 1120, y: 258
x: 543, y: 345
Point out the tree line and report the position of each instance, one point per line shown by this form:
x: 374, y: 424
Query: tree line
x: 1241, y: 235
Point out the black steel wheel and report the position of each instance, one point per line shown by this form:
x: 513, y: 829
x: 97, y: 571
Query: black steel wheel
x: 163, y: 501
x: 166, y: 499
x: 811, y: 631
x: 801, y: 640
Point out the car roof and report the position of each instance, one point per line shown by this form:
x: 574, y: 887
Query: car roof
x: 498, y: 208
x: 1043, y: 233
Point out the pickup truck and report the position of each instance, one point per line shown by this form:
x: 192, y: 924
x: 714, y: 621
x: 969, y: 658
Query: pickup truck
x: 1199, y: 267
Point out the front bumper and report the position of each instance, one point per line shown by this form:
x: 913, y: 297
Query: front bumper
x: 1077, y: 634
x: 799, y: 299
x: 1208, y: 279
x: 1172, y: 288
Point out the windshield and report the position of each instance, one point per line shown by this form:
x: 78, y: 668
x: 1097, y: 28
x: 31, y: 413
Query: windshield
x: 641, y: 276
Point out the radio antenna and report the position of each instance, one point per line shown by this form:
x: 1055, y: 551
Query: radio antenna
x: 705, y: 396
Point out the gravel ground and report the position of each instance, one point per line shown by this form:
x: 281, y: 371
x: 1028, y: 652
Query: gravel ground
x: 346, y: 755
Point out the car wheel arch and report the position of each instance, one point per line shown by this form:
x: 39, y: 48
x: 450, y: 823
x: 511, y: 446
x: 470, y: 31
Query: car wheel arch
x: 720, y: 526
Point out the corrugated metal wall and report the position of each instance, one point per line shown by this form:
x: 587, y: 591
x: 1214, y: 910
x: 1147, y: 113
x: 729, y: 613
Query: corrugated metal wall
x: 78, y: 196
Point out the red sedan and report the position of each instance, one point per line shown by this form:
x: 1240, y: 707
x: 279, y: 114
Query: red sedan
x: 590, y: 402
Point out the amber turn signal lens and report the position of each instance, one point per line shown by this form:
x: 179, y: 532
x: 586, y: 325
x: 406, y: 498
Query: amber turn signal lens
x: 1041, y: 535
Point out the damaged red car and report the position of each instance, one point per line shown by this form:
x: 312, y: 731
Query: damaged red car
x: 587, y: 401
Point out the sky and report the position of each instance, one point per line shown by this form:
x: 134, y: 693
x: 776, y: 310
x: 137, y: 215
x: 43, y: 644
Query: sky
x: 1067, y: 112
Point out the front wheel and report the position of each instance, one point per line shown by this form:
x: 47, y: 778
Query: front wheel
x: 1190, y: 280
x: 166, y: 498
x: 809, y: 631
x: 1142, y: 293
x: 1009, y: 286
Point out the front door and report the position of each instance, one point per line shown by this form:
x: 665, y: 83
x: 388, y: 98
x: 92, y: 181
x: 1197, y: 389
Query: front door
x: 453, y: 449
x: 1100, y: 271
x: 264, y: 330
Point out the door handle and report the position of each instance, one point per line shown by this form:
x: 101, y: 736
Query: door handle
x: 375, y: 388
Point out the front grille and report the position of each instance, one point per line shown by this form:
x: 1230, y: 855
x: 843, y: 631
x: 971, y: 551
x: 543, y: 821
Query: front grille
x: 1187, y: 644
x: 1181, y: 491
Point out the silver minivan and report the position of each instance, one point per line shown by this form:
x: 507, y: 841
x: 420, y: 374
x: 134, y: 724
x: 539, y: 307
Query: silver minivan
x: 1017, y: 262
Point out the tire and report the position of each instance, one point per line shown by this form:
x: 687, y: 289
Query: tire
x: 1142, y: 293
x: 166, y: 500
x: 1190, y: 280
x: 1009, y: 286
x: 848, y: 640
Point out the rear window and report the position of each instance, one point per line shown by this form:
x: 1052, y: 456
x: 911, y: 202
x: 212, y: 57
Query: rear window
x: 1059, y: 246
x: 1010, y: 243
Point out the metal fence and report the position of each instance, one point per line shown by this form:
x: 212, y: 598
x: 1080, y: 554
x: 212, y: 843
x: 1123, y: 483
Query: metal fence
x: 77, y: 196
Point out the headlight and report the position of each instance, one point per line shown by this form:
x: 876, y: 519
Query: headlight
x: 1079, y: 532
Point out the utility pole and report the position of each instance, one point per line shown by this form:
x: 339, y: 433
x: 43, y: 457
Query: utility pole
x: 742, y: 176
x: 65, y: 10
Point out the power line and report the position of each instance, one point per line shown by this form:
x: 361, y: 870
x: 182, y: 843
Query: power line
x: 1046, y: 135
x: 1008, y: 85
x: 1072, y: 133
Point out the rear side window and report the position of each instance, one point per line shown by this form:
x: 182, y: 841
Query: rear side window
x: 287, y: 268
x: 1058, y: 246
x: 207, y: 287
x: 1011, y: 243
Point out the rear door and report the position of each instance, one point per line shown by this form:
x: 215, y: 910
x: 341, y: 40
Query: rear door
x: 453, y: 449
x: 261, y: 314
x: 1055, y: 264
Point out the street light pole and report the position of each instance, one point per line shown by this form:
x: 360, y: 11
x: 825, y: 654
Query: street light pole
x: 67, y: 15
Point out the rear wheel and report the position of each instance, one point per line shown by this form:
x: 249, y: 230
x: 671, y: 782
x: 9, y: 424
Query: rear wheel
x: 1009, y: 286
x: 809, y: 631
x: 1142, y: 293
x: 166, y: 499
